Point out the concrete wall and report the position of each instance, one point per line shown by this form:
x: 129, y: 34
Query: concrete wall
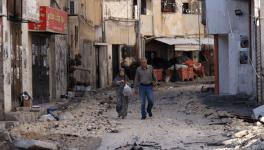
x: 105, y: 65
x: 223, y: 71
x: 87, y: 9
x: 118, y: 9
x: 226, y: 20
x: 172, y: 24
x: 26, y: 60
x: 60, y: 74
x: 1, y: 74
x: 235, y: 78
x: 219, y: 24
x: 120, y: 32
x: 146, y: 25
x: 6, y: 61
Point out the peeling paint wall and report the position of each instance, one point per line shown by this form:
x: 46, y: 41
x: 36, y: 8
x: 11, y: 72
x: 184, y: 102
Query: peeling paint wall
x: 120, y: 32
x: 73, y: 35
x: 61, y: 54
x: 146, y: 25
x: 6, y: 62
x: 171, y: 24
x: 26, y: 60
x: 84, y: 30
x: 105, y: 65
x: 119, y: 25
x: 118, y: 9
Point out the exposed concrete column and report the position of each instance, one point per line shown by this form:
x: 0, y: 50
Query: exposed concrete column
x: 6, y: 61
x: 26, y: 60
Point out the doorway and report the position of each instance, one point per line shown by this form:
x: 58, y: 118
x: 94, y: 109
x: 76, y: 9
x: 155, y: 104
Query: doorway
x: 40, y: 69
x: 115, y: 60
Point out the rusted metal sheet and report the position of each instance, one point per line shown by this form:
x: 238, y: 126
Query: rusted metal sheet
x: 51, y: 20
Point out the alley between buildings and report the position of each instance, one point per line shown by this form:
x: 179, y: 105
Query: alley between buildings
x: 186, y: 116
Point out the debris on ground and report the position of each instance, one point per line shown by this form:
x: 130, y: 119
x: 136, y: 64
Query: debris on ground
x: 35, y: 144
x: 45, y: 118
x: 141, y: 146
x: 182, y: 120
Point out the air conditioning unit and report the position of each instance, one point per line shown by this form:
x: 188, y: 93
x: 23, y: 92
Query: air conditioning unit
x: 73, y: 7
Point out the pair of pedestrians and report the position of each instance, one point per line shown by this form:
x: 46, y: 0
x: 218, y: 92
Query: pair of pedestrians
x: 144, y: 82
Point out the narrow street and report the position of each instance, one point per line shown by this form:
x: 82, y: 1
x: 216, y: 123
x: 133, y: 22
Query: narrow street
x: 183, y: 119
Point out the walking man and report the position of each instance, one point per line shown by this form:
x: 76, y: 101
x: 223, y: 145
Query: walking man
x: 145, y: 79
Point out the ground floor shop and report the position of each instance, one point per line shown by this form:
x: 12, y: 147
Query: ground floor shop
x: 180, y: 59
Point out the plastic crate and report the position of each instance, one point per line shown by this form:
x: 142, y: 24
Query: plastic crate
x: 159, y: 74
x: 183, y: 73
x: 186, y: 74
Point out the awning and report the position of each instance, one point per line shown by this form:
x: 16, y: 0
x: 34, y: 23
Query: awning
x: 186, y: 41
x: 187, y: 48
x: 186, y: 44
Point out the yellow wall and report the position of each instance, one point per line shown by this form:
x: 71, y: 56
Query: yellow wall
x: 171, y: 24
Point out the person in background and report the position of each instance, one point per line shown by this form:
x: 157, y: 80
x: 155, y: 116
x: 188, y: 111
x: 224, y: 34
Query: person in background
x: 122, y: 101
x: 145, y: 79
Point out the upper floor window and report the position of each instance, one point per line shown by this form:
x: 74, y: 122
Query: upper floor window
x: 190, y: 8
x: 168, y: 6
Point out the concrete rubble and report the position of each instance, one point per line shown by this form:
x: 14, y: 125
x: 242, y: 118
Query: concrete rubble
x: 183, y: 120
x: 35, y: 144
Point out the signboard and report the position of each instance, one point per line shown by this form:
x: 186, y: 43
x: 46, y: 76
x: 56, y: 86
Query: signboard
x: 30, y: 10
x: 50, y: 20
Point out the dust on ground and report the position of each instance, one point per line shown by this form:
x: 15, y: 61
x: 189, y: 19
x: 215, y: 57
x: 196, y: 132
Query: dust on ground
x: 183, y: 119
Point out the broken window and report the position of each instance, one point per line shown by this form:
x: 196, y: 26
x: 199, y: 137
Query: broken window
x: 168, y: 6
x: 14, y: 10
x: 185, y: 8
x: 143, y: 8
x: 190, y: 8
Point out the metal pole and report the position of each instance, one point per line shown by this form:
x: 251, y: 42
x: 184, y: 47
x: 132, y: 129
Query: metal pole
x: 139, y: 30
x: 199, y: 24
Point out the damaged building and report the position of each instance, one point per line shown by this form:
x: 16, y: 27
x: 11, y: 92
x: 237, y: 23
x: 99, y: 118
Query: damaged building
x: 33, y: 51
x: 171, y: 32
x: 57, y: 46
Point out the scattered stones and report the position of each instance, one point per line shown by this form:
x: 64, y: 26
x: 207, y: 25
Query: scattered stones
x: 5, y: 136
x: 109, y: 130
x: 35, y: 144
x: 141, y: 146
x: 45, y: 118
x: 259, y: 123
x: 66, y: 116
x: 241, y: 134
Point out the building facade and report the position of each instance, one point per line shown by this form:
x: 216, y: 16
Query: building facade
x: 234, y: 25
x: 33, y: 59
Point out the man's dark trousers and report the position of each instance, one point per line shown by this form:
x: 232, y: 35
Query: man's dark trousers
x: 146, y: 92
